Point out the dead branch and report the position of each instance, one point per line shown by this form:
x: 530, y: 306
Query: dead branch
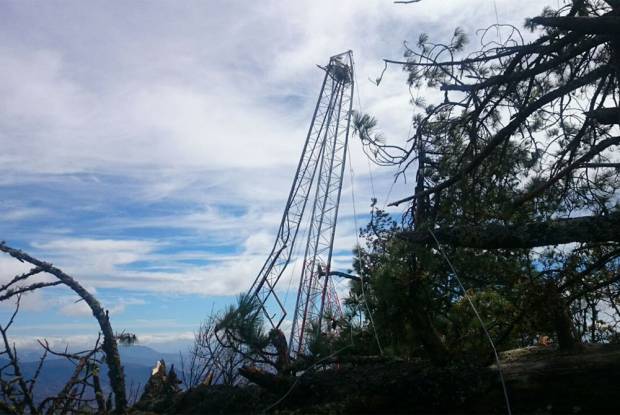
x: 109, y: 347
x: 18, y: 377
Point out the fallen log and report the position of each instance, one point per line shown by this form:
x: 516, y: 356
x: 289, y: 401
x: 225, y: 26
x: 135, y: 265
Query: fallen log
x: 603, y: 228
x: 539, y: 380
x: 264, y: 379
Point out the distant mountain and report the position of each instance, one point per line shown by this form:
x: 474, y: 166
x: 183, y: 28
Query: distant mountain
x: 137, y: 354
x: 137, y: 363
x: 29, y: 355
x: 143, y: 355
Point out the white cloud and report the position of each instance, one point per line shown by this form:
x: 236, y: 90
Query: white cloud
x: 259, y: 243
x: 18, y: 214
x: 76, y: 309
x: 201, y: 96
x: 100, y: 256
x: 201, y: 104
x: 10, y: 267
x: 164, y: 342
x: 157, y: 339
x: 72, y: 306
x: 100, y: 264
x: 76, y: 342
x: 36, y: 90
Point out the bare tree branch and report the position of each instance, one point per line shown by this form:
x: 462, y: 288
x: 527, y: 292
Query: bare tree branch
x: 115, y: 370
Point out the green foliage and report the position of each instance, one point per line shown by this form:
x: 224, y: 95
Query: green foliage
x: 319, y: 344
x: 412, y: 294
x: 364, y: 126
x: 244, y: 323
x: 496, y: 147
x: 478, y: 167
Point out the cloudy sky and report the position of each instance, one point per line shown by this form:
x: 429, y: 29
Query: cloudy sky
x: 148, y: 147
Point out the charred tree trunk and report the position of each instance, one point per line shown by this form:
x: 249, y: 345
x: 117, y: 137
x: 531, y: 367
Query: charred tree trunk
x: 278, y: 340
x: 429, y: 337
x: 425, y: 330
x: 561, y: 319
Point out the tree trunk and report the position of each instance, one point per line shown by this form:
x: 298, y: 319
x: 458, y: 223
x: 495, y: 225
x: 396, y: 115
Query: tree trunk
x: 604, y: 25
x: 561, y: 319
x: 265, y: 379
x: 429, y: 337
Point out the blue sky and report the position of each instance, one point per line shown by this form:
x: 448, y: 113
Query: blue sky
x: 148, y: 147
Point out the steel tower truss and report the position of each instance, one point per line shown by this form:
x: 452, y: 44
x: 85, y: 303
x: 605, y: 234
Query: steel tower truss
x: 317, y: 185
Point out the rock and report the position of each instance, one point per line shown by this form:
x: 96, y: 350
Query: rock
x: 160, y: 390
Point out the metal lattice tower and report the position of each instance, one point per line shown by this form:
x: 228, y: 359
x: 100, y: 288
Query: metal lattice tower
x: 317, y: 185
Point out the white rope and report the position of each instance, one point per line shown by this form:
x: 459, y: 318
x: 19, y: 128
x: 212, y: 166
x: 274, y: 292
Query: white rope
x: 357, y: 241
x: 499, y: 33
x: 290, y: 282
x: 389, y: 193
x: 484, y: 327
x: 296, y: 254
x: 372, y: 180
x: 360, y: 110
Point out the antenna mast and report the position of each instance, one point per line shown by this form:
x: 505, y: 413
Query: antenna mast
x: 318, y: 180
